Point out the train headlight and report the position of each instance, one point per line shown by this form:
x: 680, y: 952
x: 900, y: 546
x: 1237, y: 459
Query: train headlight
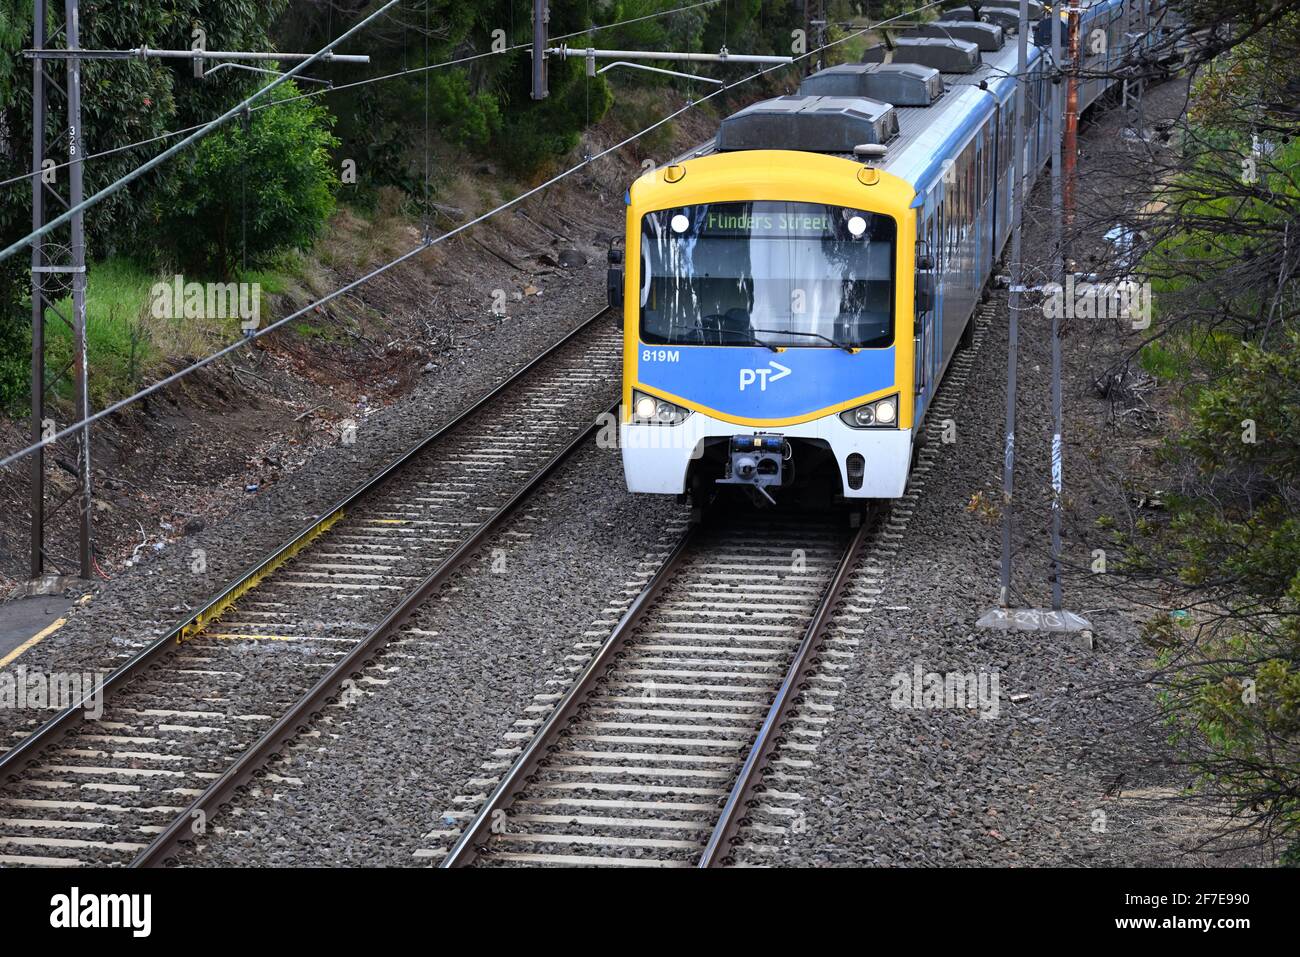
x: 651, y: 410
x: 881, y: 414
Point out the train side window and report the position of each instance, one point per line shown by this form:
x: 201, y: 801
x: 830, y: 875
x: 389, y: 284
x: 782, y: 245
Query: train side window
x: 969, y: 186
x: 961, y: 194
x: 945, y: 223
x: 991, y: 134
x: 988, y: 161
x: 959, y: 197
x: 971, y: 159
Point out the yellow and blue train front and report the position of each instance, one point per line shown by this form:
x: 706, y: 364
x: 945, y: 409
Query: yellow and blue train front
x: 768, y: 341
x: 705, y: 397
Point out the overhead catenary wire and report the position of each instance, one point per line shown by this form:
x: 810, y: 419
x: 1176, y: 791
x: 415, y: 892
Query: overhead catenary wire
x: 339, y: 87
x: 429, y: 242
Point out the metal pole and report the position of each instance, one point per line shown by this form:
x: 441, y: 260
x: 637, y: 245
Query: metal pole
x: 78, y: 244
x: 1017, y: 280
x: 1071, y: 146
x: 1058, y: 243
x: 38, y: 298
x: 821, y: 33
x: 541, y: 38
x: 807, y: 33
x: 142, y: 53
x: 592, y: 53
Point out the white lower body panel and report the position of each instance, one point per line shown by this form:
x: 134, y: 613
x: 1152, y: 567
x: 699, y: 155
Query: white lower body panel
x: 656, y: 458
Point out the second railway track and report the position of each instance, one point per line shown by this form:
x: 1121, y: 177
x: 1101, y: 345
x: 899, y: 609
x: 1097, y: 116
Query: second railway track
x: 192, y: 716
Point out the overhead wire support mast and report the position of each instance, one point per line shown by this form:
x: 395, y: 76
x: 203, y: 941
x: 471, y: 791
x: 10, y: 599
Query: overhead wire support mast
x: 541, y: 32
x: 52, y: 262
x: 57, y: 269
x: 1004, y: 617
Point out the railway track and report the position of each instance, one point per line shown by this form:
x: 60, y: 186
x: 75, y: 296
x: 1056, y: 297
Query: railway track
x: 196, y: 714
x: 698, y: 699
x: 654, y: 755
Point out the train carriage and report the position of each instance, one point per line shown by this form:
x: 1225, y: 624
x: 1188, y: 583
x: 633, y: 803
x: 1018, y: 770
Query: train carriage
x: 794, y: 290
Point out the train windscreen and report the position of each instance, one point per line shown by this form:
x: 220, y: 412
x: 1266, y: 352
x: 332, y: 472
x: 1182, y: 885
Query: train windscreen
x: 776, y: 273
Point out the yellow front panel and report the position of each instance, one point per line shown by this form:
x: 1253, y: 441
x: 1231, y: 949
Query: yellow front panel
x: 777, y: 175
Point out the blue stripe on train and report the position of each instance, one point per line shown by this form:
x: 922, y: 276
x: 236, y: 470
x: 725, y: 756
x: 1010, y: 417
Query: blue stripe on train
x: 776, y: 385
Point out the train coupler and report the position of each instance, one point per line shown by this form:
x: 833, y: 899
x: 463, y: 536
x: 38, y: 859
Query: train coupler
x: 757, y: 461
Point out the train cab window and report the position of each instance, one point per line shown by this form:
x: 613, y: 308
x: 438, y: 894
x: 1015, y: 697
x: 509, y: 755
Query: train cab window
x: 800, y: 275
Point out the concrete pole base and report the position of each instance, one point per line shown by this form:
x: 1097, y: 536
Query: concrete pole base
x: 1032, y: 619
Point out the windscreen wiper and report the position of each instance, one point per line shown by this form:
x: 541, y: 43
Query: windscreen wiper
x: 816, y: 335
x: 749, y: 339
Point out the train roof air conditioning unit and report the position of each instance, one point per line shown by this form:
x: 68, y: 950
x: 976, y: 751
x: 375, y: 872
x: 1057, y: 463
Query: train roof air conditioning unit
x: 1005, y: 17
x: 815, y: 124
x: 902, y: 84
x: 946, y: 56
x: 987, y: 36
x: 1036, y: 8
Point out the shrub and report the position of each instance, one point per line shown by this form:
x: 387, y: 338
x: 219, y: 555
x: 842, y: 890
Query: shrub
x: 254, y: 188
x: 469, y: 119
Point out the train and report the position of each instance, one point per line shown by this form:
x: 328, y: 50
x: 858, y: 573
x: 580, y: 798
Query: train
x: 794, y: 290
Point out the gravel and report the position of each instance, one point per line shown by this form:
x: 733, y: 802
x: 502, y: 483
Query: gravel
x: 387, y: 764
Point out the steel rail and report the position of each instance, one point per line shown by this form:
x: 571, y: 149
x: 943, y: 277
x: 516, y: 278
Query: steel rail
x: 718, y: 849
x: 27, y: 749
x: 476, y: 835
x: 192, y: 822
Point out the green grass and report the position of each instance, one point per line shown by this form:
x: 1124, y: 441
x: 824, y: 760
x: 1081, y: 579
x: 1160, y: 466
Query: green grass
x: 1162, y: 362
x: 118, y: 342
x: 126, y: 344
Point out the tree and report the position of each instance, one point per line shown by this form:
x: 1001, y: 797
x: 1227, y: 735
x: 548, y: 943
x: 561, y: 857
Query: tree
x: 254, y: 187
x: 1222, y: 568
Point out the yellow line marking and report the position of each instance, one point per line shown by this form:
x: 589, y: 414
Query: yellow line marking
x: 255, y: 578
x: 234, y: 636
x: 33, y: 641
